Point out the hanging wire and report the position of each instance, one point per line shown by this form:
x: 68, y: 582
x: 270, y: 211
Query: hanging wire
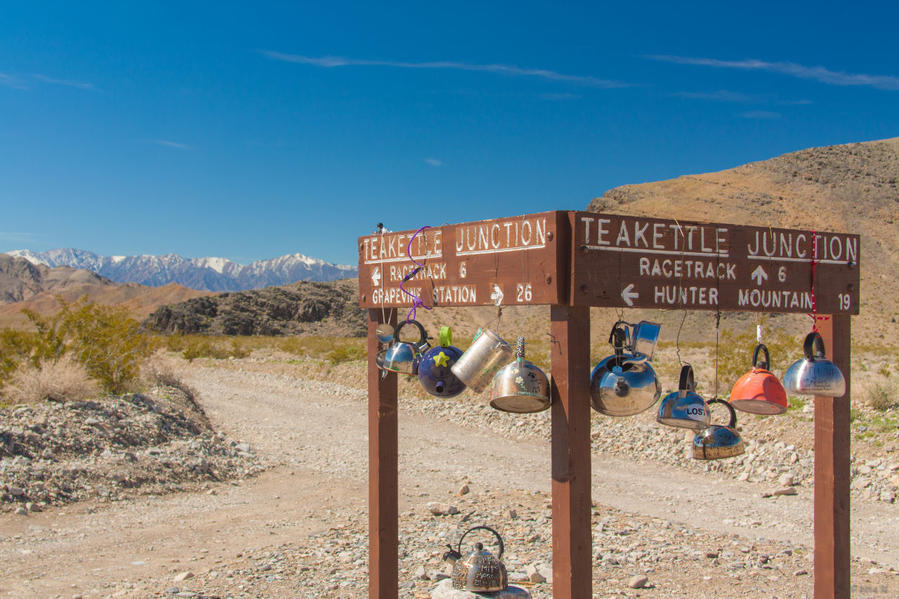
x: 680, y: 283
x: 717, y: 331
x: 677, y: 339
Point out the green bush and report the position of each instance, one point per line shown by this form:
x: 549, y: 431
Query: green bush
x: 346, y: 353
x: 104, y: 339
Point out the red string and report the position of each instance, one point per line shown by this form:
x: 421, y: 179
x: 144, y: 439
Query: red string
x: 814, y: 315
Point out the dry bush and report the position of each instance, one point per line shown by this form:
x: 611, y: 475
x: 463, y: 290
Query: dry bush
x: 883, y: 396
x: 63, y: 379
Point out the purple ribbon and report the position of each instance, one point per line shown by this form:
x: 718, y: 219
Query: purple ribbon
x: 416, y: 300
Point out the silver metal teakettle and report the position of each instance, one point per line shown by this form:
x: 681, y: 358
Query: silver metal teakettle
x: 402, y: 356
x: 815, y: 374
x: 520, y: 386
x: 480, y: 571
x: 684, y: 408
x: 624, y: 384
x: 486, y: 355
x: 716, y: 441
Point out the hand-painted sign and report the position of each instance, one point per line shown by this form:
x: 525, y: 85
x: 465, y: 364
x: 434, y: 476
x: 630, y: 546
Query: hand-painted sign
x: 629, y: 261
x: 504, y: 261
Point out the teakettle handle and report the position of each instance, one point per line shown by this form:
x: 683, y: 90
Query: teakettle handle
x: 423, y: 335
x: 687, y: 383
x: 814, y: 342
x: 487, y: 528
x: 764, y: 365
x: 618, y: 338
x: 730, y: 408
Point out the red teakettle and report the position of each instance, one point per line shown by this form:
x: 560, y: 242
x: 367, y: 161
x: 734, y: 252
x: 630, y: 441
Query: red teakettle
x: 758, y: 391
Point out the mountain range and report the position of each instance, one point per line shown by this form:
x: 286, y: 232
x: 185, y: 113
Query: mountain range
x: 206, y: 274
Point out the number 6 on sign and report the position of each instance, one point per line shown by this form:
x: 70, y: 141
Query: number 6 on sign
x: 525, y: 294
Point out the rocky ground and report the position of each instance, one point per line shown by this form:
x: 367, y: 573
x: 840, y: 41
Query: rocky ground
x: 52, y: 453
x: 662, y: 526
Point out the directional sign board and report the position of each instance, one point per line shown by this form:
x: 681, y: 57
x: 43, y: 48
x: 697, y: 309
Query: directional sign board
x: 629, y: 261
x: 504, y: 261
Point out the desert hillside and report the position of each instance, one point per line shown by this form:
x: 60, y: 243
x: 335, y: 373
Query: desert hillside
x: 852, y: 188
x: 24, y: 285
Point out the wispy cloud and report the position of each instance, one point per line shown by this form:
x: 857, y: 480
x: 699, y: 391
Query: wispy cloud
x: 434, y: 161
x: 10, y: 81
x: 820, y: 74
x: 759, y: 114
x: 559, y: 97
x: 65, y: 82
x: 502, y: 69
x: 17, y: 237
x: 170, y: 144
x: 722, y: 95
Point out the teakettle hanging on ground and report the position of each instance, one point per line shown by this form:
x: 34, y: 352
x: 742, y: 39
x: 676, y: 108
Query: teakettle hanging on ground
x: 625, y: 384
x: 402, y: 356
x: 435, y: 368
x: 479, y: 571
x: 758, y: 391
x: 684, y: 408
x: 520, y: 386
x: 486, y: 355
x: 717, y: 442
x: 815, y: 374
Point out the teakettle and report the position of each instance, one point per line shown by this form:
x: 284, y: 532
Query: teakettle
x: 815, y: 374
x: 758, y: 391
x: 624, y: 384
x: 520, y: 386
x: 434, y: 368
x: 717, y: 442
x: 486, y: 355
x: 402, y: 356
x: 684, y: 408
x: 479, y: 571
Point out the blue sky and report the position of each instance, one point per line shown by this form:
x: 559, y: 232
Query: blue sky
x: 252, y: 130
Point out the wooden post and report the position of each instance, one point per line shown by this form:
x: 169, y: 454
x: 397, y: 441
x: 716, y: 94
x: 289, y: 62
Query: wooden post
x: 383, y: 497
x: 832, y: 471
x: 572, y: 540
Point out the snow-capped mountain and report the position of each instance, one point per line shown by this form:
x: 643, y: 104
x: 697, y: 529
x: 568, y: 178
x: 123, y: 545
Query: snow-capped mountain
x: 210, y: 273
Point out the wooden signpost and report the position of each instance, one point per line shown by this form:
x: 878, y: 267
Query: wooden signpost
x: 575, y: 260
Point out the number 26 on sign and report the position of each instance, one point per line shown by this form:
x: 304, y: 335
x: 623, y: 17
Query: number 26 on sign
x: 524, y: 293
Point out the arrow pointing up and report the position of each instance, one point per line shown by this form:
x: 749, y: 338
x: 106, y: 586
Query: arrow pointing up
x: 629, y: 295
x: 759, y: 275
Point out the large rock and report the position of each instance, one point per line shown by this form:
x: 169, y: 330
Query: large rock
x: 445, y: 590
x: 302, y: 308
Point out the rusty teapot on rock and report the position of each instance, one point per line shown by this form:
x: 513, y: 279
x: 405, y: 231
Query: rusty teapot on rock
x: 479, y: 571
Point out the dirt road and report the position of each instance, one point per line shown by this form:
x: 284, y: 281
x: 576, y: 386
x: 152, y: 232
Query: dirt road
x: 317, y: 434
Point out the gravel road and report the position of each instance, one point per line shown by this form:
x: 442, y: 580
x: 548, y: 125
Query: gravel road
x: 299, y: 528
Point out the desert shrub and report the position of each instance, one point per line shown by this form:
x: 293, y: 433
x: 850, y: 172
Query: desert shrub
x: 15, y: 348
x: 346, y: 353
x: 882, y: 396
x: 63, y: 379
x: 104, y: 339
x: 202, y: 346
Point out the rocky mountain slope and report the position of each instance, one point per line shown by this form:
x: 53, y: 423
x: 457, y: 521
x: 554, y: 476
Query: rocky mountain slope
x: 306, y: 307
x: 36, y: 287
x: 852, y: 188
x: 209, y: 274
x: 21, y: 280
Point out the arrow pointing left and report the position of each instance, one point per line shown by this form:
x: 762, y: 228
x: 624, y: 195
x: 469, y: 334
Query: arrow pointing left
x: 629, y: 295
